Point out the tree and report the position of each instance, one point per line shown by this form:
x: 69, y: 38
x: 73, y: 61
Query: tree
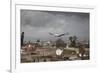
x: 60, y: 43
x: 71, y: 38
x: 72, y: 41
x: 38, y: 40
x: 74, y: 38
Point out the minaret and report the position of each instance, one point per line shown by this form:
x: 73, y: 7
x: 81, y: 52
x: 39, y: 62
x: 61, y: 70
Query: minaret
x: 22, y: 38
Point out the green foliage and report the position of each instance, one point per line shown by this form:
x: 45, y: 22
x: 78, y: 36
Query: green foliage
x: 72, y: 41
x: 60, y: 43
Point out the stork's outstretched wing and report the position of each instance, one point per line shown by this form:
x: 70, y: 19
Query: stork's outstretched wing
x: 63, y: 34
x: 51, y: 33
x: 57, y: 35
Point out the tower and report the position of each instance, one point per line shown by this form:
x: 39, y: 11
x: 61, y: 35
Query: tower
x: 22, y: 38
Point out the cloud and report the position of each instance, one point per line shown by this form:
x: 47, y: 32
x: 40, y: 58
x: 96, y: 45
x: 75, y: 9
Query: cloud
x: 37, y: 24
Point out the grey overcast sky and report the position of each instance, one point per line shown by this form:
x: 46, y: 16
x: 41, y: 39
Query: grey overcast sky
x: 38, y: 24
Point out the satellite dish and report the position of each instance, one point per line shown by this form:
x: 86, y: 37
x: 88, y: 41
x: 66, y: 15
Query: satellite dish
x: 59, y: 52
x: 29, y: 45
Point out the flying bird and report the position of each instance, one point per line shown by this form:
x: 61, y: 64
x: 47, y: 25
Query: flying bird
x: 59, y: 35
